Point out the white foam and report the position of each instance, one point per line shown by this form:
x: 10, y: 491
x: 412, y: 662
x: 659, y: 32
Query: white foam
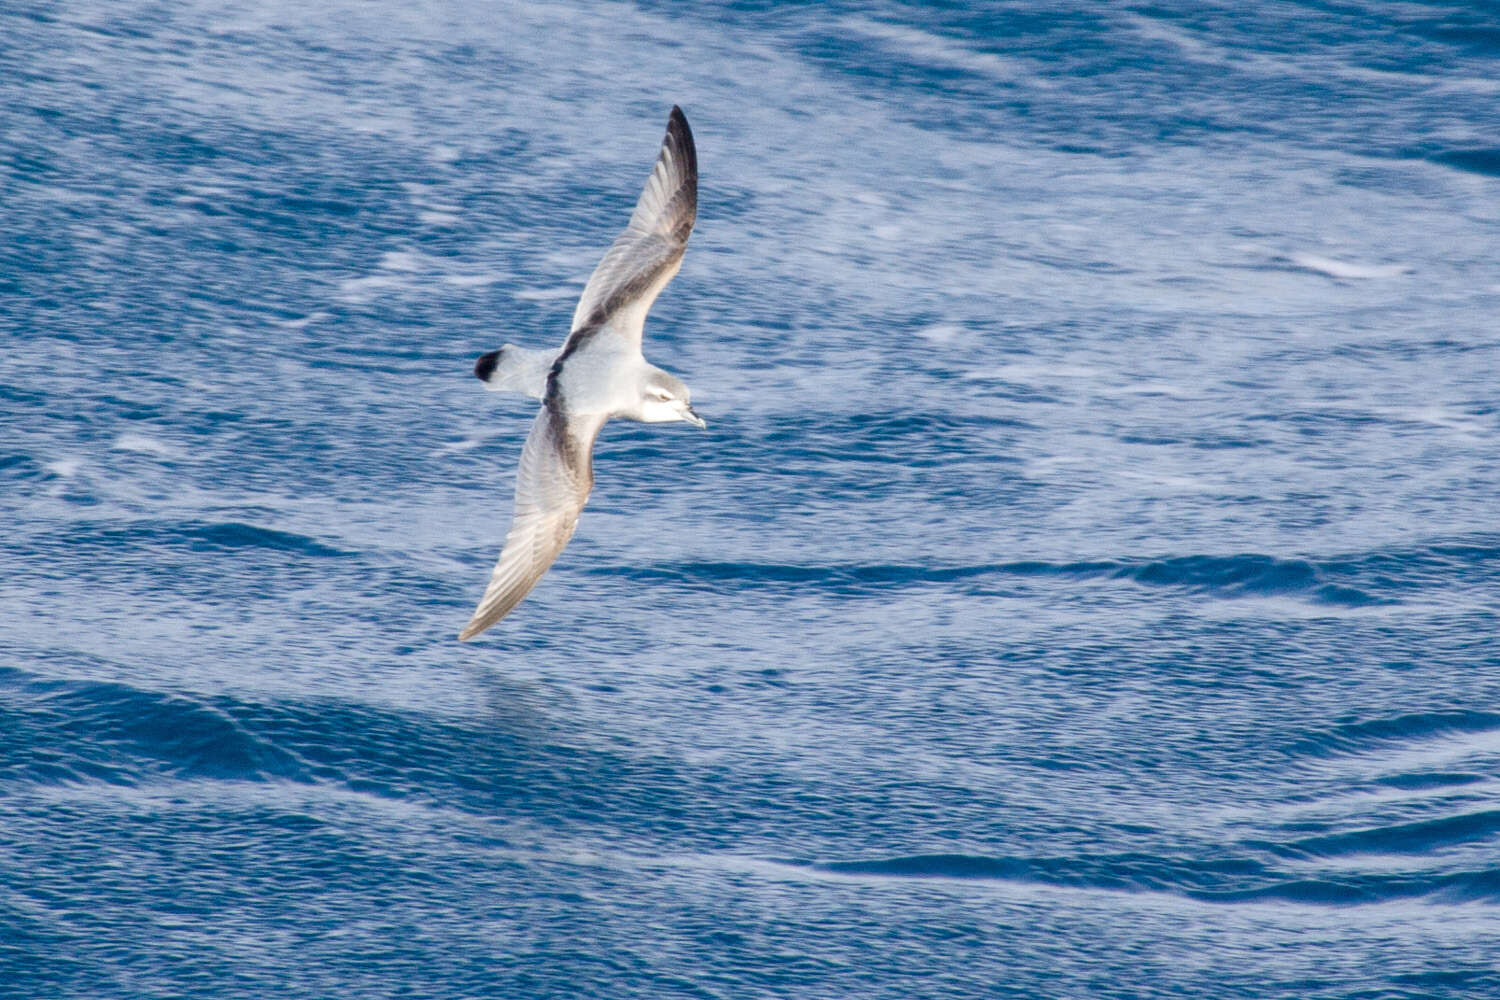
x: 141, y: 444
x: 454, y: 447
x: 546, y: 294
x: 941, y: 333
x: 1346, y: 269
x: 392, y: 272
x: 362, y: 289
x: 1447, y: 417
x: 401, y: 260
x: 1177, y: 484
x: 472, y: 280
x: 936, y: 49
x: 1195, y: 49
x: 64, y: 468
x: 298, y: 324
x: 1189, y: 46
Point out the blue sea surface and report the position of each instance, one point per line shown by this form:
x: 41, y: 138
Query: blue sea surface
x: 1087, y: 586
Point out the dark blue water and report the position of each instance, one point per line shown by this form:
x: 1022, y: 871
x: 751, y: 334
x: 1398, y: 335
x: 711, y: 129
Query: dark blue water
x: 1087, y: 585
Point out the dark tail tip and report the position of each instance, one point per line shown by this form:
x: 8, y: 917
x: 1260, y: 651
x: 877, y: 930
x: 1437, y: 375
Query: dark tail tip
x: 485, y: 366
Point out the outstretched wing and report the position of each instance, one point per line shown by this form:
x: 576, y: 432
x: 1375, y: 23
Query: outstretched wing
x: 552, y: 485
x: 648, y: 253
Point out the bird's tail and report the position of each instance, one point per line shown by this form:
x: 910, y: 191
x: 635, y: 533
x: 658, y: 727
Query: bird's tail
x: 515, y: 369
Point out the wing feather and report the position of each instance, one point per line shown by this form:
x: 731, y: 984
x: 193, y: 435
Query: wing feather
x: 552, y: 485
x: 648, y: 253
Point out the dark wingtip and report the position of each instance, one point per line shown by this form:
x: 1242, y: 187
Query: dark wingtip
x: 485, y: 366
x: 677, y: 126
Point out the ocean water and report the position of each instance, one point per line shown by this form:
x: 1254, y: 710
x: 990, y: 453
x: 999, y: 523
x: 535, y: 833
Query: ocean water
x: 1088, y: 584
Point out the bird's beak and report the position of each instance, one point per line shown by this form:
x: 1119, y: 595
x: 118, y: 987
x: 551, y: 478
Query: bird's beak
x: 693, y: 418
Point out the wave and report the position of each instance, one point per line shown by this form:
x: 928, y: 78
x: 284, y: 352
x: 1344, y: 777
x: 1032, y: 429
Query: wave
x: 71, y: 732
x: 516, y: 763
x: 1484, y: 161
x: 1383, y: 577
x: 1347, y: 739
x: 199, y: 536
x: 1346, y: 269
x: 1224, y: 880
x: 1419, y: 837
x: 18, y: 467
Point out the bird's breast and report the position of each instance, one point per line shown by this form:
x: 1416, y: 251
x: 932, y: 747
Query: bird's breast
x: 597, y: 379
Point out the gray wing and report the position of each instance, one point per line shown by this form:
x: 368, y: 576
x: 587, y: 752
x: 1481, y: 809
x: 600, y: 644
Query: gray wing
x: 552, y: 485
x: 648, y: 253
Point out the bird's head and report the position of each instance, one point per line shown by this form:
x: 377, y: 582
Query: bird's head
x: 664, y: 398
